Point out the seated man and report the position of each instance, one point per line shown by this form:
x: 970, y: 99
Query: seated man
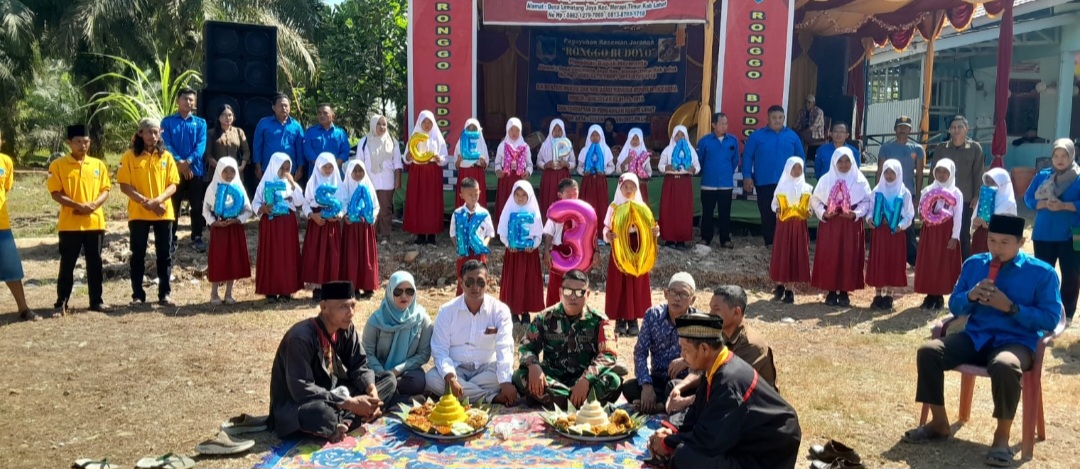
x: 1009, y: 298
x: 736, y: 421
x: 320, y: 383
x: 472, y: 343
x: 729, y: 304
x: 577, y: 357
x: 651, y: 387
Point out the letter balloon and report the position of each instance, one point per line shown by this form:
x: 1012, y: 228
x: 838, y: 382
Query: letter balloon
x: 470, y: 151
x: 518, y: 231
x: 594, y: 160
x: 799, y: 211
x: 680, y: 158
x: 563, y: 148
x: 987, y: 201
x: 326, y: 197
x: 936, y: 206
x: 274, y: 196
x: 419, y: 155
x: 361, y: 208
x: 888, y: 212
x: 229, y: 201
x: 579, y: 236
x: 468, y: 241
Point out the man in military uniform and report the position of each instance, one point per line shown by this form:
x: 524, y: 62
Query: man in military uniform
x: 577, y: 358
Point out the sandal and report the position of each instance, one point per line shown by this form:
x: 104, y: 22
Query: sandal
x: 93, y: 464
x: 999, y: 457
x: 224, y: 444
x: 920, y: 435
x: 245, y: 423
x: 168, y: 461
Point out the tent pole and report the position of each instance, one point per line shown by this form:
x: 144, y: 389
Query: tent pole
x: 704, y: 117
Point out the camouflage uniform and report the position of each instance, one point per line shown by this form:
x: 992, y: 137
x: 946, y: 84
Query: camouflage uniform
x: 572, y: 347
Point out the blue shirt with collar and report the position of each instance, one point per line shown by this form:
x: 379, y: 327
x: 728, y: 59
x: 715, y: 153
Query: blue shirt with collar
x: 1053, y: 226
x: 272, y: 136
x: 719, y: 158
x: 318, y: 140
x: 1030, y: 283
x: 766, y: 153
x: 658, y: 340
x: 823, y: 158
x: 185, y: 138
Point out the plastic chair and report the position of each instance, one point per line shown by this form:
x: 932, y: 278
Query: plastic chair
x: 1034, y: 422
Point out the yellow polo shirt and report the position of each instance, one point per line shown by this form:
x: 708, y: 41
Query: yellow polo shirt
x: 149, y: 174
x: 7, y: 181
x: 82, y: 181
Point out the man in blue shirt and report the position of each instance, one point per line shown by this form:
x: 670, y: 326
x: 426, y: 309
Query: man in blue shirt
x: 766, y: 152
x: 184, y: 135
x: 719, y: 156
x: 1010, y: 298
x: 912, y: 160
x: 279, y: 132
x: 838, y: 139
x: 326, y: 137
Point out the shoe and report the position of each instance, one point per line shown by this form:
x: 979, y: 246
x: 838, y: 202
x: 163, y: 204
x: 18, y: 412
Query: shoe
x: 316, y: 295
x: 420, y: 240
x: 367, y: 294
x: 727, y: 245
x: 939, y: 303
x: 284, y: 298
x: 831, y: 299
x: 29, y: 315
x: 166, y: 302
x: 839, y: 463
x: 634, y: 330
x: 137, y: 303
x: 834, y: 450
x: 927, y: 302
x: 271, y: 298
x: 778, y: 293
x: 843, y: 299
x: 789, y: 297
x: 215, y: 301
x: 620, y: 327
x: 100, y: 308
x: 889, y: 303
x: 525, y: 319
x: 704, y: 243
x: 230, y: 300
x: 878, y: 302
x: 199, y: 245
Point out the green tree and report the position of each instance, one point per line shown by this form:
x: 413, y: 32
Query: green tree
x: 16, y: 63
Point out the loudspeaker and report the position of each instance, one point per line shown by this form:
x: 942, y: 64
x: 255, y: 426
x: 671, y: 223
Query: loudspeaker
x: 838, y: 108
x: 240, y: 57
x: 248, y: 108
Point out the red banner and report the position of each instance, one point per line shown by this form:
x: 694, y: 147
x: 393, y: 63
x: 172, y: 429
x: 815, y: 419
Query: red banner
x: 442, y: 63
x: 755, y: 61
x: 578, y: 12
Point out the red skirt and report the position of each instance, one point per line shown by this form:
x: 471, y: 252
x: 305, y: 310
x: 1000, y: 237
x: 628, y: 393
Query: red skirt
x: 321, y: 258
x: 840, y: 255
x: 626, y: 297
x: 594, y: 191
x: 676, y: 209
x: 461, y: 262
x: 978, y: 241
x: 503, y: 194
x: 277, y: 262
x: 936, y: 266
x: 888, y: 258
x: 476, y: 173
x: 791, y: 253
x: 522, y: 283
x: 549, y: 187
x: 554, y: 288
x: 424, y: 200
x: 360, y: 256
x: 228, y: 256
x: 643, y: 187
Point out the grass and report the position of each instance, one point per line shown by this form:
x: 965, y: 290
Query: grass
x: 32, y: 210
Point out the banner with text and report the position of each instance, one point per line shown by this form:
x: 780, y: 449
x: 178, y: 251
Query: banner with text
x: 442, y: 63
x: 589, y: 78
x: 578, y: 12
x: 754, y: 63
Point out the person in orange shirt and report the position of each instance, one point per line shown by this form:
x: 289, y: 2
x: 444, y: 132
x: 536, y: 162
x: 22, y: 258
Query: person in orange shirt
x: 148, y: 176
x: 80, y: 184
x: 11, y: 271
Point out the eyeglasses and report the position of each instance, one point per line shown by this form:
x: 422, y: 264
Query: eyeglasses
x: 681, y: 296
x: 404, y: 291
x: 574, y: 292
x: 471, y: 282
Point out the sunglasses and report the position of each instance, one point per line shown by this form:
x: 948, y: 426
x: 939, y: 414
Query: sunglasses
x: 471, y: 282
x: 404, y: 291
x: 574, y: 292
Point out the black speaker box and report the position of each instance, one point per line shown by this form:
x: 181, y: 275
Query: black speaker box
x: 248, y: 109
x: 240, y: 57
x: 838, y: 108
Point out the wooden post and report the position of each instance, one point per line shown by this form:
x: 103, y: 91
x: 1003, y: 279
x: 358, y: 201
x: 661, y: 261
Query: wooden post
x: 704, y: 117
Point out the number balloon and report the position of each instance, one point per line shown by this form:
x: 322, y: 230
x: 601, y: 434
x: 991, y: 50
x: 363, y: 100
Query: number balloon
x: 839, y: 198
x: 931, y: 213
x: 987, y: 201
x: 361, y: 208
x: 326, y: 197
x: 229, y: 201
x: 888, y: 212
x: 518, y: 230
x: 579, y: 235
x: 470, y: 150
x: 468, y: 241
x: 800, y: 211
x: 420, y: 155
x: 634, y: 262
x: 274, y: 196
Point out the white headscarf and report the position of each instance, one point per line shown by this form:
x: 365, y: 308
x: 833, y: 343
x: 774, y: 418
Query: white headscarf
x: 549, y: 142
x: 950, y: 184
x: 380, y: 147
x: 292, y: 190
x: 318, y: 179
x: 891, y: 189
x: 481, y: 145
x: 348, y: 186
x: 669, y: 152
x: 435, y: 135
x: 520, y: 140
x: 605, y: 150
x: 620, y: 198
x: 210, y: 197
x: 536, y: 229
x: 790, y: 187
x: 1004, y: 199
x: 276, y: 161
x: 624, y: 155
x: 857, y: 185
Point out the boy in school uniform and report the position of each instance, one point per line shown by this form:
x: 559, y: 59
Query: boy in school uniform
x: 553, y: 233
x: 478, y: 219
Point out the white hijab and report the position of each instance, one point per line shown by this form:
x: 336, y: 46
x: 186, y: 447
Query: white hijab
x: 1004, y: 200
x: 520, y: 140
x: 790, y: 187
x: 891, y: 189
x: 292, y: 190
x: 381, y: 148
x: 620, y: 198
x: 435, y: 135
x: 271, y: 174
x: 670, y: 150
x: 857, y: 185
x: 605, y: 150
x: 348, y: 186
x: 947, y: 185
x: 549, y: 142
x: 210, y: 197
x: 624, y: 155
x: 481, y: 145
x: 536, y: 229
x: 317, y: 179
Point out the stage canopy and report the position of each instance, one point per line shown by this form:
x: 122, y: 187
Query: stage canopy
x: 888, y: 21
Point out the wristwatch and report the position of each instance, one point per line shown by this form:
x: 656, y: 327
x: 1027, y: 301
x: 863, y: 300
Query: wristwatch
x: 1013, y: 309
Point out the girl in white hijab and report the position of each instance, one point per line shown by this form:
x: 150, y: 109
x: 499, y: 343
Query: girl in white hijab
x: 513, y: 162
x: 841, y: 251
x: 556, y: 167
x: 627, y: 296
x: 382, y: 154
x: 424, y: 193
x: 678, y: 162
x: 471, y: 168
x: 635, y: 157
x: 321, y: 256
x: 1003, y: 202
x: 938, y: 261
x: 594, y: 163
x: 791, y: 246
x: 277, y: 262
x: 887, y: 267
x: 360, y: 251
x: 522, y: 282
x: 228, y: 257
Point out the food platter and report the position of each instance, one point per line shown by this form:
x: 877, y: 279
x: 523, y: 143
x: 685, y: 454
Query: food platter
x: 598, y: 425
x: 447, y: 420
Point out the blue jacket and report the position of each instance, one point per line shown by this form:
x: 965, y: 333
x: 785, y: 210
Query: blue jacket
x: 718, y: 160
x: 318, y: 140
x: 766, y: 153
x: 272, y: 136
x: 186, y: 140
x: 823, y: 158
x: 1030, y: 283
x: 1050, y: 225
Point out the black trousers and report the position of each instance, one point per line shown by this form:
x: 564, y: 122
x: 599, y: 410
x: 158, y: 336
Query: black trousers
x: 321, y: 418
x: 1054, y: 252
x: 912, y: 245
x: 965, y: 230
x: 140, y: 235
x: 192, y: 190
x: 710, y: 201
x: 662, y: 387
x: 71, y: 244
x: 764, y: 206
x: 1005, y: 365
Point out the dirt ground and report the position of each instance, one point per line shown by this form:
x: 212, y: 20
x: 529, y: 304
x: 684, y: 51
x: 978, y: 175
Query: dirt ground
x: 131, y: 384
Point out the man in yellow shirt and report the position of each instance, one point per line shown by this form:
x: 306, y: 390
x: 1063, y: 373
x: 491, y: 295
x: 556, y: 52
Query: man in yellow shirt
x: 80, y: 184
x: 11, y: 271
x: 148, y: 176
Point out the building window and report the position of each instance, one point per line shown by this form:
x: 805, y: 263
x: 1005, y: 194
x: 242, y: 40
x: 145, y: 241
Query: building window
x: 1023, y: 113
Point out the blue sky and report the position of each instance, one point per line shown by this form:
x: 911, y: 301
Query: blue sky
x: 332, y: 2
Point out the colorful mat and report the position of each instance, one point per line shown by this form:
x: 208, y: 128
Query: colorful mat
x: 388, y: 444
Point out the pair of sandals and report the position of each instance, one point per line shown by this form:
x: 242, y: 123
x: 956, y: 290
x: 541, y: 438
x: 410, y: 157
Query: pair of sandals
x: 995, y: 457
x: 168, y: 461
x: 227, y: 442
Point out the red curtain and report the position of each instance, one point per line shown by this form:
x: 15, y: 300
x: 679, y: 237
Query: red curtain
x: 960, y: 17
x: 1001, y: 88
x: 995, y: 7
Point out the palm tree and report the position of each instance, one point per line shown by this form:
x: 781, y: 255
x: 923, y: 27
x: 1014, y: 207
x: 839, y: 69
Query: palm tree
x: 16, y: 61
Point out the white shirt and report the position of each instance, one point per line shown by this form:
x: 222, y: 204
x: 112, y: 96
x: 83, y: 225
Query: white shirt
x: 664, y: 165
x: 500, y: 159
x: 460, y: 337
x: 485, y: 230
x: 383, y: 181
x: 555, y: 230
